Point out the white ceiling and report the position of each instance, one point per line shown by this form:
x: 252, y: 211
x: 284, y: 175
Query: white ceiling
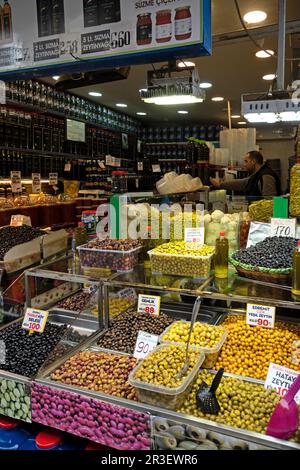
x: 233, y: 69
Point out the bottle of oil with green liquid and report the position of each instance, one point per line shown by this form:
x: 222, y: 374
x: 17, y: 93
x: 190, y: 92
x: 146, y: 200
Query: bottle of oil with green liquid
x: 221, y: 257
x: 296, y: 271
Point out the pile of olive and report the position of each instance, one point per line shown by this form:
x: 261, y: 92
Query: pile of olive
x: 13, y: 236
x: 202, y: 335
x: 123, y: 334
x: 76, y: 302
x: 24, y: 352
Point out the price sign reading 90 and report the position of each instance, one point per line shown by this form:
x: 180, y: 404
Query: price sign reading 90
x: 149, y: 304
x: 260, y: 315
x: 145, y: 343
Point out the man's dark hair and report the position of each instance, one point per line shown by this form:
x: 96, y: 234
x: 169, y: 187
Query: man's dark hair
x: 257, y: 156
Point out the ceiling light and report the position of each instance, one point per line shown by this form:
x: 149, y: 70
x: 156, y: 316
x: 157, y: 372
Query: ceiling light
x: 95, y: 93
x: 235, y: 116
x: 256, y: 16
x: 143, y: 89
x: 270, y: 77
x: 141, y: 114
x: 264, y: 54
x: 121, y: 105
x: 56, y: 77
x: 183, y: 64
x: 182, y: 112
x: 218, y: 98
x: 205, y: 85
x: 242, y: 123
x: 173, y: 100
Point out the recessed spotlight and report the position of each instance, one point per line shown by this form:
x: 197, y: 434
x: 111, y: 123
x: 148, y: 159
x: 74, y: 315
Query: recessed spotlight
x: 121, y: 105
x: 141, y: 114
x: 183, y: 64
x: 182, y: 112
x: 256, y: 16
x: 95, y: 93
x: 56, y: 77
x: 270, y: 77
x: 218, y: 98
x: 242, y: 123
x: 205, y: 85
x: 265, y: 54
x: 235, y: 116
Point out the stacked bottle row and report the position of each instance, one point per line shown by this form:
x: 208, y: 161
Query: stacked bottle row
x: 48, y: 98
x: 180, y: 134
x: 166, y: 151
x: 33, y: 131
x: 28, y: 164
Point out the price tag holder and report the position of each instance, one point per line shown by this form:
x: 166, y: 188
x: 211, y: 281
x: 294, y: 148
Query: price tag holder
x: 19, y: 220
x: 145, y: 343
x: 36, y: 183
x: 35, y: 320
x: 261, y: 315
x: 16, y: 183
x: 53, y: 179
x: 283, y: 228
x: 281, y: 378
x: 194, y: 235
x: 149, y: 304
x: 67, y: 167
x: 156, y: 169
x: 128, y: 293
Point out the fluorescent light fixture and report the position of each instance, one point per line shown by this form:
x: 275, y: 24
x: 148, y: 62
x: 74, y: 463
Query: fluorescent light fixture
x: 242, y: 123
x: 205, y: 85
x: 121, y: 105
x: 95, y: 93
x: 141, y: 114
x: 183, y: 64
x: 182, y: 112
x: 173, y: 100
x: 271, y: 118
x: 256, y: 16
x: 235, y: 116
x: 56, y: 77
x: 290, y: 116
x: 269, y: 77
x: 265, y: 54
x: 218, y: 98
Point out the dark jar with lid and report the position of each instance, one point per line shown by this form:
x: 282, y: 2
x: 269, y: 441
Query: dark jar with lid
x: 183, y: 23
x: 144, y: 29
x: 163, y: 26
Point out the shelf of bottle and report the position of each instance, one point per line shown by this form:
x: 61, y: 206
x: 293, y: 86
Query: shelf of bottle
x: 43, y: 153
x: 52, y: 112
x: 167, y: 143
x: 170, y: 160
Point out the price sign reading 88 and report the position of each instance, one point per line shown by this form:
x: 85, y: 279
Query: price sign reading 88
x: 145, y: 343
x: 149, y: 304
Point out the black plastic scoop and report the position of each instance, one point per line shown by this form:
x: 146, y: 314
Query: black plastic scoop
x: 206, y: 395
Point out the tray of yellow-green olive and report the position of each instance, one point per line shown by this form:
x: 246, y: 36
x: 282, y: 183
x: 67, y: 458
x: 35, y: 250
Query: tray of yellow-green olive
x: 155, y: 378
x: 182, y: 259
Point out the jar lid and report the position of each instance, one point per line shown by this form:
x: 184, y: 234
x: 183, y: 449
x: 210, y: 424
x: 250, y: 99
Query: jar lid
x: 119, y: 173
x: 144, y: 14
x: 8, y: 423
x: 88, y: 212
x: 48, y: 439
x: 164, y: 12
x: 182, y: 8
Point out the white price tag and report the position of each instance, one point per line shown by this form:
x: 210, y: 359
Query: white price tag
x: 149, y: 304
x: 36, y: 183
x: 281, y: 378
x: 19, y: 220
x: 53, y: 179
x: 261, y: 315
x: 194, y: 235
x: 16, y: 183
x: 35, y: 320
x: 67, y: 167
x: 89, y: 289
x: 145, y: 343
x: 156, y: 169
x: 283, y: 228
x: 128, y: 293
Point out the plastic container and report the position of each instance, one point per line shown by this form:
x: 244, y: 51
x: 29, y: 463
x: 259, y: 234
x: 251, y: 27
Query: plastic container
x: 181, y: 265
x: 12, y: 436
x: 121, y: 261
x: 165, y: 397
x: 211, y: 354
x: 49, y: 439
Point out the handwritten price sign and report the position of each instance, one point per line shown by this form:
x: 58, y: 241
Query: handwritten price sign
x: 149, y: 304
x: 260, y: 315
x: 35, y: 320
x: 145, y: 343
x: 283, y: 228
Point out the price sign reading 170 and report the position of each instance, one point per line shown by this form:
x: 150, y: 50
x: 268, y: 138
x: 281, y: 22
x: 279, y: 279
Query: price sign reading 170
x: 283, y: 228
x: 149, y: 304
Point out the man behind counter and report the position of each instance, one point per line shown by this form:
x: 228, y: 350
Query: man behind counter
x: 263, y: 181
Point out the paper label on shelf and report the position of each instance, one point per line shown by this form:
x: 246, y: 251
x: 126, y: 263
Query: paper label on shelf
x: 283, y: 228
x: 260, y: 315
x: 16, y: 183
x: 281, y: 378
x: 101, y: 165
x: 35, y: 320
x: 145, y: 343
x: 140, y: 166
x: 128, y: 293
x: 194, y: 235
x: 19, y: 220
x: 67, y: 167
x: 53, y: 179
x: 89, y: 289
x: 156, y: 169
x: 36, y: 183
x: 149, y: 304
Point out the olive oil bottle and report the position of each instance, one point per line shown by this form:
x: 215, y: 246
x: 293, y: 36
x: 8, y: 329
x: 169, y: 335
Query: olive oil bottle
x: 221, y: 257
x: 7, y: 22
x: 296, y: 271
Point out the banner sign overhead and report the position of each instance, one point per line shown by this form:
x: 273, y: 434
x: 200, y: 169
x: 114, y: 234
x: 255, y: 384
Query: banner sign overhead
x: 74, y: 35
